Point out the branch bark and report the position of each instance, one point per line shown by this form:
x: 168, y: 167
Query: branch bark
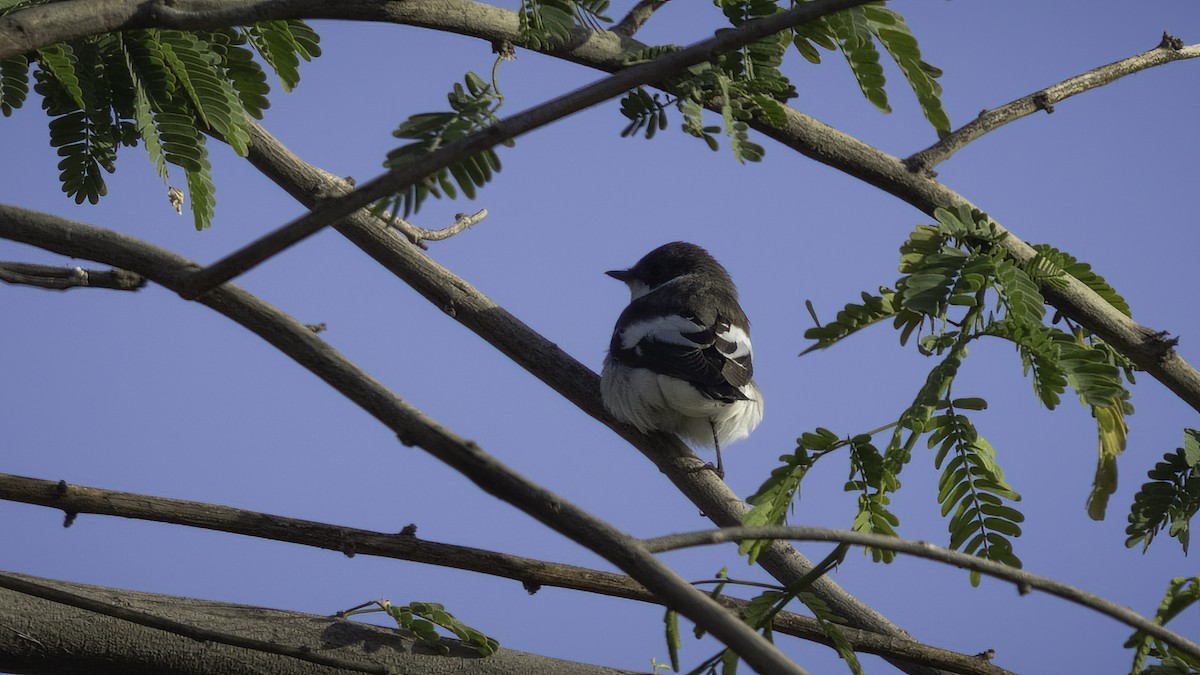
x: 64, y: 278
x: 411, y: 425
x: 42, y: 636
x: 76, y: 499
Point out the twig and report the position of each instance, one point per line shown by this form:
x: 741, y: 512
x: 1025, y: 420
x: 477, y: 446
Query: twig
x: 14, y: 583
x: 637, y: 17
x: 1025, y: 581
x: 419, y: 235
x: 1170, y: 49
x: 64, y: 278
x: 411, y: 426
x: 530, y: 572
x: 398, y: 179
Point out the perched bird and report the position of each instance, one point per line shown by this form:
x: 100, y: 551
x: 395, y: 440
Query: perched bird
x: 680, y: 359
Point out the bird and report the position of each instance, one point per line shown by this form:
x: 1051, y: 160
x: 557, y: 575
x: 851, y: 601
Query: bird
x: 680, y: 359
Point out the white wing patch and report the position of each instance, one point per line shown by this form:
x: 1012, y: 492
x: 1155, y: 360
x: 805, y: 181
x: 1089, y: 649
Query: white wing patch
x: 672, y: 329
x: 740, y: 341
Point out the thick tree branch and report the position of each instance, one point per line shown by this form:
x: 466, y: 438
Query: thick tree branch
x: 63, y: 278
x: 1025, y: 581
x: 1170, y: 49
x: 399, y: 179
x: 76, y: 499
x: 637, y: 17
x: 559, y: 370
x: 411, y: 425
x: 41, y: 636
x: 123, y: 612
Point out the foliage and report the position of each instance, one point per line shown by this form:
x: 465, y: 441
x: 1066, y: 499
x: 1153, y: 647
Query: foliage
x: 472, y: 108
x: 1171, y: 497
x: 547, y: 24
x: 424, y: 618
x: 1182, y: 593
x: 957, y: 286
x: 163, y: 88
x: 748, y: 84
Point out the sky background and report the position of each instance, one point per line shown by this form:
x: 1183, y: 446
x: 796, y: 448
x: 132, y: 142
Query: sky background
x: 146, y: 393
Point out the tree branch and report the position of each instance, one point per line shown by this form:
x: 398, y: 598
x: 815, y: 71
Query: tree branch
x: 1169, y: 50
x: 411, y: 425
x: 63, y: 278
x: 1025, y: 581
x: 40, y: 636
x: 637, y: 17
x: 399, y: 179
x: 198, y: 633
x: 420, y: 235
x: 76, y: 499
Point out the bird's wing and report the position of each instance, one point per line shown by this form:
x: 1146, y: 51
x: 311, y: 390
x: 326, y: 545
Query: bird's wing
x: 716, y: 358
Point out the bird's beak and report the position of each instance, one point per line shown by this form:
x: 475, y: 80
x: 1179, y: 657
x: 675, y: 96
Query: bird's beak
x: 619, y: 275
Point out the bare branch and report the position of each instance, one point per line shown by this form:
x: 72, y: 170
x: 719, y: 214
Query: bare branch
x: 76, y: 499
x: 63, y: 278
x: 637, y: 17
x: 411, y: 425
x: 419, y: 235
x: 40, y: 636
x: 557, y: 108
x: 1169, y: 50
x: 1025, y: 581
x: 120, y: 611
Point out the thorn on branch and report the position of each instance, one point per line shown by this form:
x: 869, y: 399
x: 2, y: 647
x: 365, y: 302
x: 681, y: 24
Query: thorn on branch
x: 1160, y: 344
x: 409, y: 530
x: 1170, y: 42
x: 531, y: 587
x: 69, y: 518
x: 316, y: 327
x: 986, y: 655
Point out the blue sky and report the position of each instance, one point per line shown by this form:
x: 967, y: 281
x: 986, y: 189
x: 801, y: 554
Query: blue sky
x: 146, y: 393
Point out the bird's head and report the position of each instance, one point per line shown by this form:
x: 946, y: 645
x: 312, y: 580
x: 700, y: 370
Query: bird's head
x: 666, y: 263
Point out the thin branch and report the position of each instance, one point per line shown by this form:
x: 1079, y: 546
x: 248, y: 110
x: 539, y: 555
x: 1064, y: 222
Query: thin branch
x: 557, y: 369
x: 1025, y: 581
x: 77, y: 499
x: 120, y: 611
x: 637, y: 17
x: 63, y: 278
x: 411, y: 425
x: 419, y: 235
x: 397, y: 180
x: 1169, y: 50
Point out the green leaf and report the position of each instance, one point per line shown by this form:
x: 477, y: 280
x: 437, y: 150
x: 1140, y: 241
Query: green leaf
x: 1182, y: 593
x: 215, y: 101
x: 14, y: 83
x: 546, y: 24
x: 1171, y: 497
x: 895, y: 36
x: 671, y: 620
x: 855, y: 39
x: 828, y: 622
x: 853, y: 318
x: 1083, y: 272
x: 1110, y: 420
x: 282, y: 44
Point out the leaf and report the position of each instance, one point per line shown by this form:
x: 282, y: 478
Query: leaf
x: 282, y: 44
x: 895, y: 36
x: 855, y: 39
x: 1182, y: 593
x: 1170, y: 499
x: 216, y: 103
x: 828, y: 622
x: 853, y: 318
x: 546, y: 24
x: 14, y: 83
x: 671, y: 621
x: 1111, y: 423
x: 1083, y: 272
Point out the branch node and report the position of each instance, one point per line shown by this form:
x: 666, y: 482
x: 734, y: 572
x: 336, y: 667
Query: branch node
x: 531, y: 587
x: 986, y: 655
x: 1041, y: 101
x: 409, y: 530
x: 1170, y: 42
x: 69, y: 518
x: 1161, y: 344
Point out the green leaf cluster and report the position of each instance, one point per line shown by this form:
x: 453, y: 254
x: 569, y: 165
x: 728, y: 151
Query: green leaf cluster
x: 748, y: 84
x: 956, y: 286
x: 424, y: 618
x: 162, y: 88
x: 1182, y: 593
x: 855, y: 32
x: 547, y: 24
x: 1171, y: 497
x: 472, y: 108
